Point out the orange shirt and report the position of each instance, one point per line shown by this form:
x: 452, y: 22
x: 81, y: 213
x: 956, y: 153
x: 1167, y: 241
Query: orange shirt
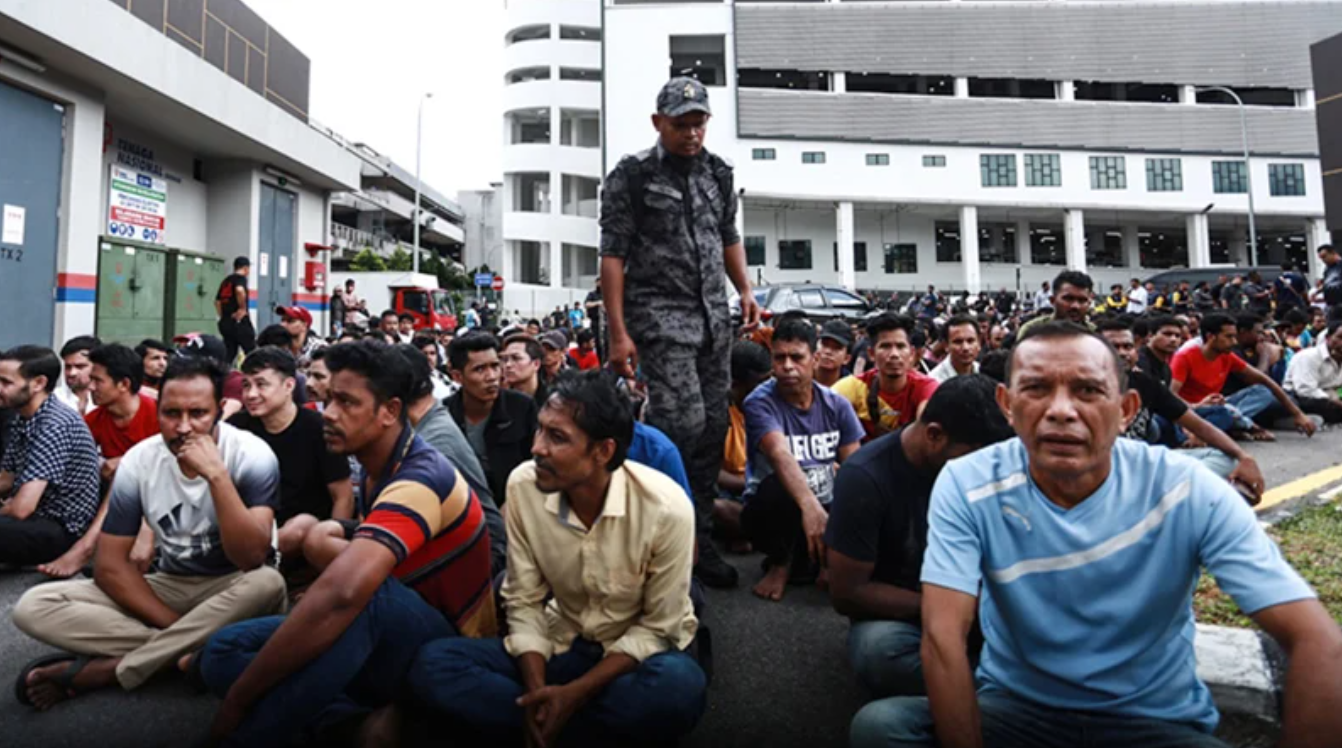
x: 734, y: 454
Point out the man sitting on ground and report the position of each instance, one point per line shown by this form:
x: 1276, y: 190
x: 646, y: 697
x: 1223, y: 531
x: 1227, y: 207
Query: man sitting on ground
x: 498, y: 423
x: 443, y: 386
x: 416, y: 570
x: 751, y: 367
x: 1166, y: 335
x: 834, y: 352
x: 154, y: 357
x: 124, y: 417
x: 962, y: 342
x: 604, y: 662
x: 877, y: 530
x: 1314, y: 377
x: 49, y: 469
x: 585, y: 355
x: 305, y: 342
x: 1073, y: 292
x: 796, y: 432
x: 556, y: 358
x: 73, y: 389
x: 1128, y: 527
x: 891, y: 394
x: 1200, y: 374
x: 314, y: 483
x: 522, y: 357
x: 209, y: 492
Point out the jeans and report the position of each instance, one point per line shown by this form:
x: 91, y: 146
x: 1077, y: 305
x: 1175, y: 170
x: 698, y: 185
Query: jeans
x: 1330, y: 410
x: 1213, y: 459
x: 363, y: 670
x: 887, y: 658
x: 1240, y: 409
x: 1009, y: 722
x: 476, y: 684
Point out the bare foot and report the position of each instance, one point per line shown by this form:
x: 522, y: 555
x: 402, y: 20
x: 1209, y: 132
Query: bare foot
x: 822, y: 579
x: 773, y: 584
x: 382, y: 727
x: 45, y: 690
x: 1260, y: 434
x: 69, y: 564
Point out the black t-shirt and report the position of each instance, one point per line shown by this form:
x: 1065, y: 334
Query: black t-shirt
x: 306, y: 467
x: 879, y: 512
x: 594, y: 313
x: 228, y: 297
x: 1154, y: 367
x: 1156, y: 399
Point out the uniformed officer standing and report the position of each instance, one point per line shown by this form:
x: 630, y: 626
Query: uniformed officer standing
x: 668, y: 244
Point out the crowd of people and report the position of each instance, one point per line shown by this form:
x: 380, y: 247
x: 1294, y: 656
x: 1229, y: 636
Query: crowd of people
x: 505, y: 530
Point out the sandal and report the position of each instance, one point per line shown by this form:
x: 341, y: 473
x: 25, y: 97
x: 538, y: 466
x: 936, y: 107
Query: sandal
x: 65, y: 680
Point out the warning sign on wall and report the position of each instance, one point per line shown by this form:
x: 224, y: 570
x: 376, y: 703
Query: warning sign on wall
x: 138, y: 206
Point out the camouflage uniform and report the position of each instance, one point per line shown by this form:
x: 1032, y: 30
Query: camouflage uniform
x: 669, y: 219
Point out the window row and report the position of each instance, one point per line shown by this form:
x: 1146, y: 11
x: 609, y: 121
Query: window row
x: 795, y: 254
x: 819, y: 157
x: 1162, y: 174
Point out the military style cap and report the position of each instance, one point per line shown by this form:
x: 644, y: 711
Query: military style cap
x: 682, y: 96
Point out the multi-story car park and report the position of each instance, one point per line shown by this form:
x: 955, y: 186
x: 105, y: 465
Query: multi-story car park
x: 888, y: 145
x: 144, y: 145
x: 1327, y: 60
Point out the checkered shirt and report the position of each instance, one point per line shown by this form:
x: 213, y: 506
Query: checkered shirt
x: 55, y: 446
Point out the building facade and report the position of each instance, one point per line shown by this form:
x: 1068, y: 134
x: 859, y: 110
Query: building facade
x: 979, y: 145
x: 144, y: 145
x: 1327, y: 61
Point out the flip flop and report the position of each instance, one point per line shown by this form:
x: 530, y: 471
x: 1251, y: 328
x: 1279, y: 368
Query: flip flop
x: 65, y: 680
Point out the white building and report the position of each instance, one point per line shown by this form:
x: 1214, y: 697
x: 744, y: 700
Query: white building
x: 143, y: 147
x: 552, y: 151
x: 872, y: 138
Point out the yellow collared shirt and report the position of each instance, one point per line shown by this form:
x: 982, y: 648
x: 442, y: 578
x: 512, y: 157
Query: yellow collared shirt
x: 624, y: 582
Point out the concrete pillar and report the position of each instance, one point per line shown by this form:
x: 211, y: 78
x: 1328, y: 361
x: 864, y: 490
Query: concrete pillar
x: 1067, y: 90
x: 969, y: 248
x: 843, y: 219
x: 961, y: 88
x: 508, y: 262
x: 1132, y: 247
x: 1239, y: 247
x: 1305, y: 98
x: 1074, y: 235
x: 1188, y: 95
x: 1316, y: 235
x: 556, y: 264
x: 838, y: 82
x: 1023, y: 253
x: 1199, y: 241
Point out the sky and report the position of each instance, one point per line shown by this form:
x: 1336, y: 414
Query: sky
x: 373, y: 59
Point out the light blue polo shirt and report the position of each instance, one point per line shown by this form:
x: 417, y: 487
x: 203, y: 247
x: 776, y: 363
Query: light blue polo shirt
x: 1091, y: 609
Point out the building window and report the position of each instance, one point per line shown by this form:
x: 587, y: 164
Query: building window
x: 1042, y: 170
x: 794, y: 254
x: 901, y: 258
x: 947, y: 235
x: 755, y: 251
x: 1046, y: 245
x: 582, y: 33
x: 878, y: 159
x: 1150, y: 93
x: 886, y: 83
x: 859, y: 257
x: 580, y: 74
x: 934, y: 162
x: 790, y: 80
x: 1012, y: 88
x: 700, y: 57
x: 1108, y: 173
x: 997, y: 242
x: 1164, y: 175
x: 763, y: 154
x: 813, y: 157
x: 1286, y: 180
x: 998, y: 170
x: 1228, y: 177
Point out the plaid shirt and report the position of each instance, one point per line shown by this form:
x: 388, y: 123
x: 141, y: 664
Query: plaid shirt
x: 311, y: 344
x: 55, y: 446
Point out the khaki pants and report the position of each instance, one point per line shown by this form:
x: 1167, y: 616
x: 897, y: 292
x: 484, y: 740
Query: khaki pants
x: 79, y: 617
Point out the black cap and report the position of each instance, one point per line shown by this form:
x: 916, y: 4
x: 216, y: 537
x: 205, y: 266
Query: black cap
x: 241, y: 262
x: 838, y: 331
x: 193, y: 344
x: 681, y: 96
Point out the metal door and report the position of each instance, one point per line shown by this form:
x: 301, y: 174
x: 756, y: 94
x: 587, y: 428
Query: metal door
x: 131, y: 293
x: 194, y: 283
x: 276, y: 250
x: 31, y: 145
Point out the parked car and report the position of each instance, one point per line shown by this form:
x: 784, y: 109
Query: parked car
x: 1194, y: 276
x: 819, y: 303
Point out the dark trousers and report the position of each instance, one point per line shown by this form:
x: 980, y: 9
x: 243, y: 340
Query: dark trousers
x: 365, y: 669
x: 771, y: 520
x: 32, y: 541
x: 1330, y: 410
x: 237, y: 334
x: 688, y: 388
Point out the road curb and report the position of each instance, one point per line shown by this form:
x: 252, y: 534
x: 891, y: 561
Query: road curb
x: 1243, y: 668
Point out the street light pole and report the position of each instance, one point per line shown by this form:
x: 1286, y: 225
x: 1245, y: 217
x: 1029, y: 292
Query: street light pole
x: 419, y: 145
x: 1248, y: 169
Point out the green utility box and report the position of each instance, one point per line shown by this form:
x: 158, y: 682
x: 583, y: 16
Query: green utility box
x: 147, y: 291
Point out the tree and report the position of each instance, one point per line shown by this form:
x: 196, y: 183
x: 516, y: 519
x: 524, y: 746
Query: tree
x: 400, y: 260
x: 368, y: 262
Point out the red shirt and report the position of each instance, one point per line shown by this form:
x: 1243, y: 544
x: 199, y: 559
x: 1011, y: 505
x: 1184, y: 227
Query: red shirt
x: 587, y: 361
x: 1201, y: 377
x: 899, y: 409
x: 115, y: 441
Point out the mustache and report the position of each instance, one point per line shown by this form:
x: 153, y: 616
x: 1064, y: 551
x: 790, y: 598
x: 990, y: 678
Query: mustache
x: 332, y: 431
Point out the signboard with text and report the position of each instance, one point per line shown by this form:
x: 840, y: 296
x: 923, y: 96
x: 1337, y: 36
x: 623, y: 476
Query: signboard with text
x: 138, y: 206
x: 484, y: 280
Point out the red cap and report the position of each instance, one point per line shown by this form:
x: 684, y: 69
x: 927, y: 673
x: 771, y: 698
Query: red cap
x: 295, y: 312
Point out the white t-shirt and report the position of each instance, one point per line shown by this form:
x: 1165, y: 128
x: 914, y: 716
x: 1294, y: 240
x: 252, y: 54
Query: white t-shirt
x: 149, y: 485
x: 1137, y: 300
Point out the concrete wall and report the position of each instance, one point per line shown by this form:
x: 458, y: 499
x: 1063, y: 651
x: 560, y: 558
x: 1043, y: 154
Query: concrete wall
x: 188, y: 199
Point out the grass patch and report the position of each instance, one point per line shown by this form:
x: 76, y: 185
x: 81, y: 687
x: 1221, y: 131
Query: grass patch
x: 1312, y: 543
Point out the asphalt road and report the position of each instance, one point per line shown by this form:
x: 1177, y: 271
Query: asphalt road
x: 781, y: 669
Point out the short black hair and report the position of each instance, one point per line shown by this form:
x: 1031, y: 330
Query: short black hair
x: 150, y: 344
x: 241, y: 262
x: 535, y: 322
x: 190, y: 367
x: 403, y: 316
x: 1120, y: 323
x: 421, y: 341
x: 387, y: 373
x: 1155, y: 324
x: 35, y: 361
x: 275, y: 335
x: 533, y: 348
x: 1074, y: 278
x: 750, y: 361
x: 1325, y: 248
x: 279, y: 360
x: 317, y: 355
x: 795, y: 330
x: 421, y: 385
x: 80, y: 344
x: 887, y: 322
x: 966, y: 409
x: 1295, y: 317
x: 1215, y: 323
x: 585, y: 335
x: 1141, y: 326
x: 1333, y: 325
x: 459, y: 352
x: 597, y: 408
x: 121, y: 363
x: 387, y: 312
x: 993, y: 365
x: 1065, y: 329
x: 959, y: 320
x: 1247, y: 321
